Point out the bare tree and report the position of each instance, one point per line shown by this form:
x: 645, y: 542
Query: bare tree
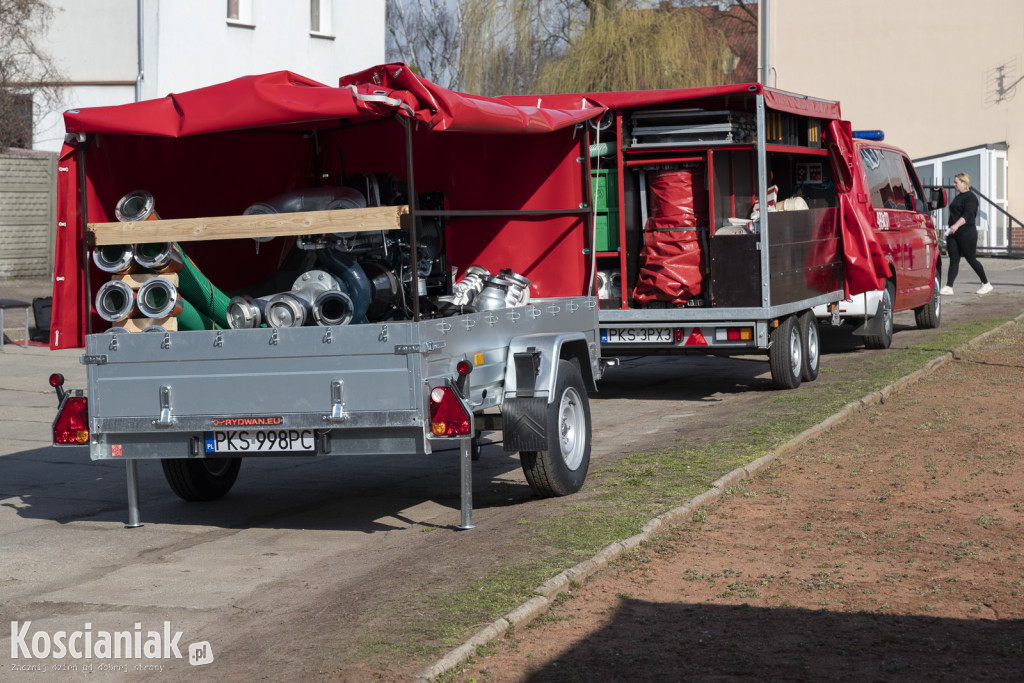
x: 28, y: 76
x: 426, y: 35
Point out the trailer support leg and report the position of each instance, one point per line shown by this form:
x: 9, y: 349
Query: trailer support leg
x: 131, y: 468
x: 466, y: 472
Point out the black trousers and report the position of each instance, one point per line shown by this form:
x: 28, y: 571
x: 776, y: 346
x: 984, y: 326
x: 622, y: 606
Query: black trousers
x: 963, y: 242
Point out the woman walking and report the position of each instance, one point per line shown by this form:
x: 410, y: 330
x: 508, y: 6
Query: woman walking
x: 962, y: 237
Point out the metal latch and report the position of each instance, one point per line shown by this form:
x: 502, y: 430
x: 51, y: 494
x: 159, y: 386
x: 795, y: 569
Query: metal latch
x: 165, y: 419
x: 338, y: 401
x: 94, y: 359
x: 425, y: 347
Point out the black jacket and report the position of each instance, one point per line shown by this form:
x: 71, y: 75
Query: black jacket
x: 964, y: 205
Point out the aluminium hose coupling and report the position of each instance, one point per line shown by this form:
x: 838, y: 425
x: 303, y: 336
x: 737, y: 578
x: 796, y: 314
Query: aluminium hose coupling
x: 115, y: 301
x: 114, y: 258
x: 158, y: 297
x: 333, y: 307
x: 159, y: 257
x: 136, y: 206
x: 295, y: 308
x: 246, y: 312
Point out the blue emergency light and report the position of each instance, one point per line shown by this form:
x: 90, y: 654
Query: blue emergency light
x: 869, y: 134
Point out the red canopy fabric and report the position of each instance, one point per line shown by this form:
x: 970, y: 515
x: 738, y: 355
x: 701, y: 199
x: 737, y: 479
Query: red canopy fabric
x: 284, y: 99
x: 779, y: 100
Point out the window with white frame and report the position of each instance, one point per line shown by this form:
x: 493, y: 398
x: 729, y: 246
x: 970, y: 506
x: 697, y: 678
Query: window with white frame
x: 320, y: 18
x: 239, y: 12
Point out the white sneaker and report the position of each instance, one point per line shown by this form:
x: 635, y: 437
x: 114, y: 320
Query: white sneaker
x: 946, y: 291
x: 985, y: 288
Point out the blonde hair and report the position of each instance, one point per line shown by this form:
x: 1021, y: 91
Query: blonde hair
x: 964, y: 177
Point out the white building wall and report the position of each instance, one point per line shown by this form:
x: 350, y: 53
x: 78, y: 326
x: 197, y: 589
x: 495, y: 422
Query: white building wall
x: 921, y: 70
x: 189, y: 44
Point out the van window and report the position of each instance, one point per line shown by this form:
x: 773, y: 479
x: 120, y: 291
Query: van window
x: 915, y: 184
x: 886, y: 177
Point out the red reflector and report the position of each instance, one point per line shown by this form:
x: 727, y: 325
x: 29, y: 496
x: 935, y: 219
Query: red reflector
x: 679, y: 335
x: 72, y: 424
x: 733, y: 334
x: 696, y: 338
x: 448, y: 417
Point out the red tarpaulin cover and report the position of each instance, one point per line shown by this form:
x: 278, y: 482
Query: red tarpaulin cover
x: 672, y: 267
x: 864, y: 262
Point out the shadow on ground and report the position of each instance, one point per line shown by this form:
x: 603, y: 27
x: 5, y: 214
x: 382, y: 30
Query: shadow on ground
x: 647, y: 641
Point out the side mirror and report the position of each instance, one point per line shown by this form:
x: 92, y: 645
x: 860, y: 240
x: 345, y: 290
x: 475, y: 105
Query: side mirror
x: 937, y: 197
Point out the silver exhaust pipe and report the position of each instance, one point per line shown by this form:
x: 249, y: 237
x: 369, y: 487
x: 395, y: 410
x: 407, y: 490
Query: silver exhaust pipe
x: 158, y: 297
x: 115, y: 301
x: 114, y: 258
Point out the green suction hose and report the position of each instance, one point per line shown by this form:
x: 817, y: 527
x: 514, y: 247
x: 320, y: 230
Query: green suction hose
x: 204, y: 296
x: 191, y: 319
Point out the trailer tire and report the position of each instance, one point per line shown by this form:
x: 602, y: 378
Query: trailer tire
x: 928, y: 316
x: 562, y: 468
x: 201, y: 479
x: 883, y: 340
x: 786, y: 354
x: 810, y: 347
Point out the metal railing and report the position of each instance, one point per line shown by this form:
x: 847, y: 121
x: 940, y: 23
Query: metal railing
x: 1014, y: 227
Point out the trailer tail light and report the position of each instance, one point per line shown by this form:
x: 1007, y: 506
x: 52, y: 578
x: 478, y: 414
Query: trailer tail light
x: 678, y: 335
x: 448, y: 415
x: 734, y: 334
x: 72, y: 424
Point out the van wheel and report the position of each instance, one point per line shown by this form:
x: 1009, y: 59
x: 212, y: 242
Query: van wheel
x: 786, y: 354
x: 811, y: 349
x: 929, y: 315
x: 201, y: 479
x: 562, y: 468
x: 883, y: 340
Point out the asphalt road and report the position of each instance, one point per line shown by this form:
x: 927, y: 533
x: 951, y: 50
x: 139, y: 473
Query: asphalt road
x: 307, y: 555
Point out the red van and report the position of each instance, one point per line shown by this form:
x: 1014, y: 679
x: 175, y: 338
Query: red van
x: 888, y: 196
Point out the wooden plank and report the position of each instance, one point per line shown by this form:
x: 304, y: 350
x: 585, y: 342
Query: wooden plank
x: 136, y: 280
x: 169, y: 323
x: 240, y: 227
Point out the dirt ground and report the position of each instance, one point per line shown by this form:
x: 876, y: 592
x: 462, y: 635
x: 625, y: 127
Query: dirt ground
x: 888, y: 548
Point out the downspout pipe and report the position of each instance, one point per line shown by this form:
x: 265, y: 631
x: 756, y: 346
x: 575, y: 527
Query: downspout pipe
x: 142, y: 54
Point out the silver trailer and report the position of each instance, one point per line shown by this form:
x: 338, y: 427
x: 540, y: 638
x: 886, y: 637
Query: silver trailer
x: 373, y: 389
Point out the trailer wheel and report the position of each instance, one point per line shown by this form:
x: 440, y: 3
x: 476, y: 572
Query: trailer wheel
x: 562, y: 468
x: 883, y: 340
x: 201, y: 479
x: 476, y: 448
x: 929, y: 315
x: 810, y: 347
x: 786, y: 354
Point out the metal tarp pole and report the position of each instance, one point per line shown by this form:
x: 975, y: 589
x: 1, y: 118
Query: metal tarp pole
x: 413, y: 217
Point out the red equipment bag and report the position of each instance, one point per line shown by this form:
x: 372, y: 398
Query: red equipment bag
x: 672, y: 258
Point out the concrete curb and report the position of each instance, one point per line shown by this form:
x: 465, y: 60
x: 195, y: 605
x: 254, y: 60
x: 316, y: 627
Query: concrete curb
x: 546, y: 592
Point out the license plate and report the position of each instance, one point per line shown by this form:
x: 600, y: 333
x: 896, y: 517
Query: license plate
x: 261, y: 441
x: 637, y: 335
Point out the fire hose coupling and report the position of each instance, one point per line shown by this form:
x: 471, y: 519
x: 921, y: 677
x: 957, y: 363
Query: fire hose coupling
x: 488, y: 292
x: 135, y: 206
x: 246, y: 312
x: 115, y: 301
x: 158, y: 297
x: 158, y: 257
x: 296, y: 308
